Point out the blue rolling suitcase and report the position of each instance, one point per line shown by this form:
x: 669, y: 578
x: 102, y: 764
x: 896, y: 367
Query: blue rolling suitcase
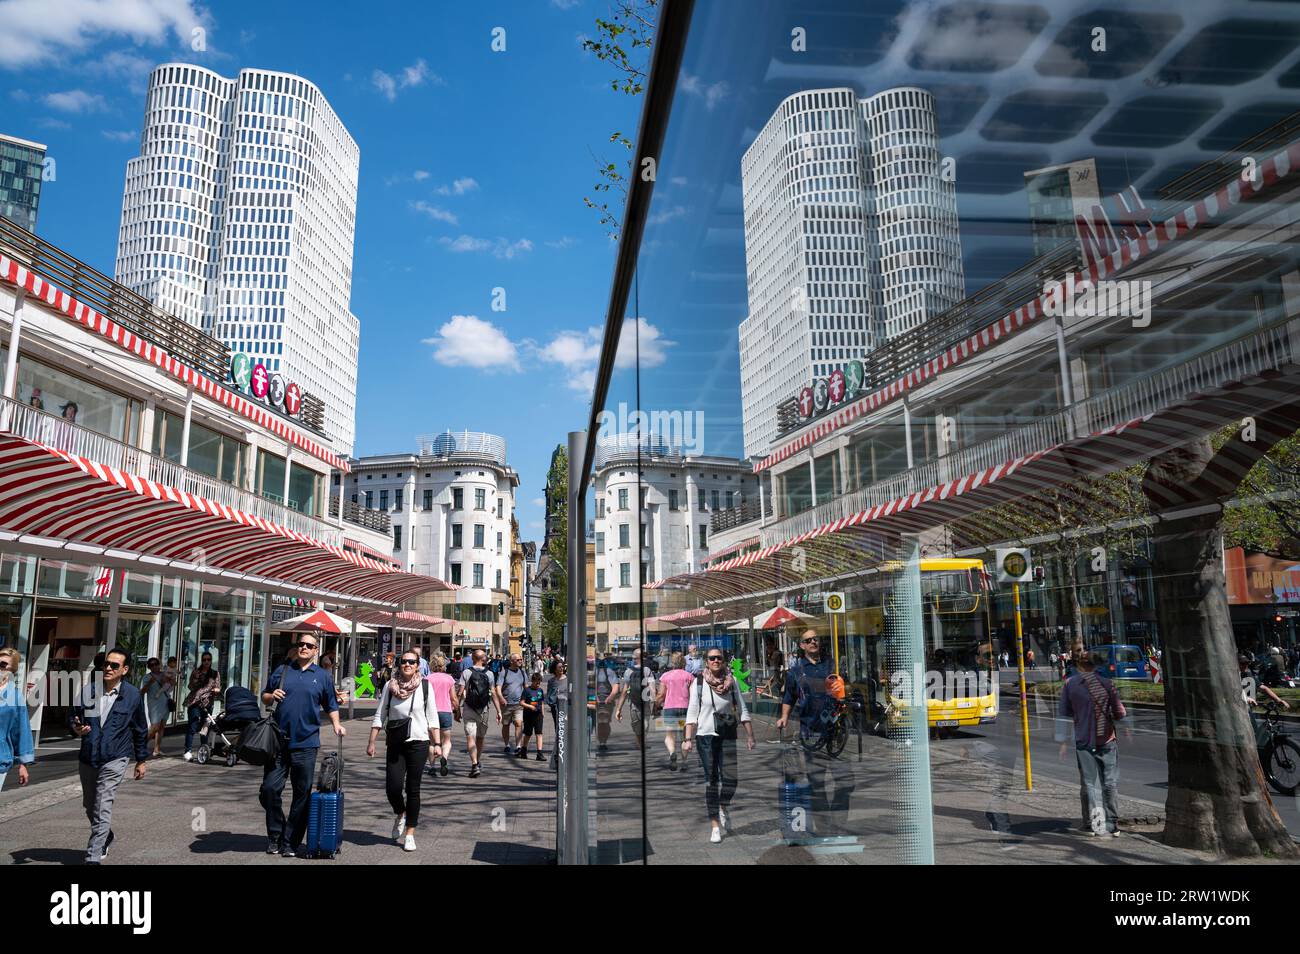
x: 325, y: 814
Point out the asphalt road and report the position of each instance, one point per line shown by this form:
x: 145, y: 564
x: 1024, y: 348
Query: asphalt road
x: 1143, y: 770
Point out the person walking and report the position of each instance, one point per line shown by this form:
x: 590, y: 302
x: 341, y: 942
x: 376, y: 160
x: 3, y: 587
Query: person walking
x: 1089, y: 700
x: 694, y: 662
x: 205, y: 686
x: 533, y: 699
x: 559, y: 673
x: 638, y: 685
x: 424, y: 663
x: 675, y: 697
x: 15, y: 728
x: 157, y: 703
x: 408, y: 712
x: 444, y: 694
x: 477, y: 691
x: 387, y: 671
x: 109, y: 718
x: 511, y: 683
x: 300, y: 690
x: 716, y: 708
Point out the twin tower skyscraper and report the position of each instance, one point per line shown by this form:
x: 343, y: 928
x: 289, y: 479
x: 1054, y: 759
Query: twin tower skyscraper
x: 851, y: 238
x: 239, y: 217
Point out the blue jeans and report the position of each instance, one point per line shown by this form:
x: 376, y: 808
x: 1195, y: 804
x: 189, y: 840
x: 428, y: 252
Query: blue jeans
x: 196, y: 723
x: 1099, y: 785
x: 297, y: 766
x: 718, y: 757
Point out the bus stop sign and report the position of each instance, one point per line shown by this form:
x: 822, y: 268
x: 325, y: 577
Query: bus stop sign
x: 834, y: 602
x: 1013, y: 566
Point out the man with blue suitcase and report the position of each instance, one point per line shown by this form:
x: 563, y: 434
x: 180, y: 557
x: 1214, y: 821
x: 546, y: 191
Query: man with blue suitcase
x: 300, y: 690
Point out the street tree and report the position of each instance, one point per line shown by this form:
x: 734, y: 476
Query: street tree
x: 555, y: 601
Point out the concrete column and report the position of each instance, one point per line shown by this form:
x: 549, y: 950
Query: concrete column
x: 147, y: 416
x: 288, y: 463
x: 352, y: 665
x: 185, y: 428
x: 907, y: 432
x: 15, y: 340
x: 114, y: 605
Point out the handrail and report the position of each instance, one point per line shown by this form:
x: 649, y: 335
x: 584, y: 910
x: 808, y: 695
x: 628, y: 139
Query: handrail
x: 53, y: 431
x: 1265, y: 350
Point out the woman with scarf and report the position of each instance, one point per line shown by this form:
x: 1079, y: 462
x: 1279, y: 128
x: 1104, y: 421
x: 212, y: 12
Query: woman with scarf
x: 408, y: 712
x: 717, y: 708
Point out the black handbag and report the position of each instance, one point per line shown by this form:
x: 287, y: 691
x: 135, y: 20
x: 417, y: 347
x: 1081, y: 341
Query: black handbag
x: 260, y: 743
x: 397, y: 730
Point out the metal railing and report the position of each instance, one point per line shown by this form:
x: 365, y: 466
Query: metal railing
x: 1266, y: 350
x: 132, y: 311
x: 65, y: 435
x: 734, y: 516
x: 354, y: 513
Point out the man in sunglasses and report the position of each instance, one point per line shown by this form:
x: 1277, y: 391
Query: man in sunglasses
x: 110, y: 719
x: 300, y: 690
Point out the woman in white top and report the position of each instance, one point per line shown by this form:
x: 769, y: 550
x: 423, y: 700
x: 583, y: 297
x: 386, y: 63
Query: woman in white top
x: 716, y: 708
x: 408, y: 711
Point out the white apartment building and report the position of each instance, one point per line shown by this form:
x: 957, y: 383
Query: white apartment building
x: 239, y: 215
x: 451, y: 506
x: 675, y: 498
x: 850, y: 238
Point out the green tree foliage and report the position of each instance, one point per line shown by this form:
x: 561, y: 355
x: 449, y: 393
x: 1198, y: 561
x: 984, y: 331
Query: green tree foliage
x: 623, y: 41
x: 555, y: 601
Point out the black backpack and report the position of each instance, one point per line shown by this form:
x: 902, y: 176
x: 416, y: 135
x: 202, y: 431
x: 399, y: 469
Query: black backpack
x: 331, y: 768
x: 478, y: 690
x: 636, y: 686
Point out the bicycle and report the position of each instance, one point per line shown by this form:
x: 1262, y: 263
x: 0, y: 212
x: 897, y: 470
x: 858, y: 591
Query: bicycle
x: 1279, y: 755
x: 832, y: 730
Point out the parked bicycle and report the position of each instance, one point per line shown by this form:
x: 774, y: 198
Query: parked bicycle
x: 831, y: 732
x: 1280, y: 756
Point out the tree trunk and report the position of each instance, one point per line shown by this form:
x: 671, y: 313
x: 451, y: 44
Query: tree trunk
x: 1218, y: 798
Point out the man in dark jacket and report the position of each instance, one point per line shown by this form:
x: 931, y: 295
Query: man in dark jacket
x: 110, y: 719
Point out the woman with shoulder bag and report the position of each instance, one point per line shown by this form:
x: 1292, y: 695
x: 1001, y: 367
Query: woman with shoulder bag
x: 408, y: 713
x: 717, y: 708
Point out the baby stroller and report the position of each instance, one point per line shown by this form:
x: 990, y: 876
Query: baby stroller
x: 241, y: 708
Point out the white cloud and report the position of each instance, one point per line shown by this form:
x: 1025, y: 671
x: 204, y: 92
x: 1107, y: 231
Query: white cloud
x: 501, y: 248
x: 667, y: 215
x: 711, y: 93
x: 579, y: 351
x: 539, y: 501
x: 678, y: 180
x: 419, y: 175
x: 417, y: 74
x: 31, y: 32
x: 562, y: 243
x: 75, y: 101
x: 121, y: 135
x: 434, y: 212
x: 49, y: 122
x: 565, y: 4
x: 458, y: 187
x: 469, y: 341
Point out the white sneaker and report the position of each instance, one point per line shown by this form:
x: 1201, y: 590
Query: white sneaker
x: 409, y: 844
x: 399, y: 826
x: 1114, y: 834
x: 722, y: 817
x: 189, y: 756
x: 715, y: 836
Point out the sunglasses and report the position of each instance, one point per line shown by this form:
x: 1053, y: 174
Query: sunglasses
x: 112, y: 666
x: 810, y: 642
x: 306, y: 645
x: 410, y: 662
x: 715, y: 658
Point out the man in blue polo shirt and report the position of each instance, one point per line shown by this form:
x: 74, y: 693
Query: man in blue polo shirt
x: 300, y: 689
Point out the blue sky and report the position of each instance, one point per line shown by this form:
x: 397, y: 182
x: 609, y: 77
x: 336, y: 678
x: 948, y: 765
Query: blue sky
x: 473, y: 168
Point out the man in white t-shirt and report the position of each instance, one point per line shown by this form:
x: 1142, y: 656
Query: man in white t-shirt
x: 477, y: 691
x: 637, y: 685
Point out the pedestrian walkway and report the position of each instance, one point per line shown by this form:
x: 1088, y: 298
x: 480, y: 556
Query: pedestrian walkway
x: 185, y: 813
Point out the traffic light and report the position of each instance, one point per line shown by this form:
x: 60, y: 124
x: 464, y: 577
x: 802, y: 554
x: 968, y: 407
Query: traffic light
x: 1040, y: 575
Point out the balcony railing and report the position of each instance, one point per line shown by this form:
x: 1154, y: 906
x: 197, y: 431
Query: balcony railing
x: 734, y: 516
x: 1267, y: 350
x: 54, y: 431
x: 354, y: 513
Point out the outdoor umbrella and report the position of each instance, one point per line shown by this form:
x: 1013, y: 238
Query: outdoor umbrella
x: 320, y: 621
x: 774, y: 618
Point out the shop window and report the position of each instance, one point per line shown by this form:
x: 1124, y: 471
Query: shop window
x: 73, y: 400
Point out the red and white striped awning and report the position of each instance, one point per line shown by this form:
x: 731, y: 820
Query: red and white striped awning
x: 868, y: 537
x: 51, y: 495
x: 406, y: 619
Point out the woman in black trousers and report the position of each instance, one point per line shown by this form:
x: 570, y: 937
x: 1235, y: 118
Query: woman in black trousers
x: 408, y: 713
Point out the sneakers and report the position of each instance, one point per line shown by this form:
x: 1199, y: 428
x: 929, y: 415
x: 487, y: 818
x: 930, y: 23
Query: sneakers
x: 722, y: 817
x: 1115, y: 833
x: 409, y: 844
x: 474, y: 771
x: 715, y: 836
x: 104, y: 854
x: 189, y: 756
x: 442, y: 766
x: 273, y: 847
x: 522, y: 753
x: 510, y: 749
x: 288, y: 852
x: 541, y: 757
x: 672, y: 762
x: 399, y: 826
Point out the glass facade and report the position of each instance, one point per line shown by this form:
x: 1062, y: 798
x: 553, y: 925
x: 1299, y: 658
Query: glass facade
x: 1006, y: 391
x: 22, y: 166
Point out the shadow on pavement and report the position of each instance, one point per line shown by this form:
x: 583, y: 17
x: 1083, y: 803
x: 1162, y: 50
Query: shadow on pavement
x: 48, y: 856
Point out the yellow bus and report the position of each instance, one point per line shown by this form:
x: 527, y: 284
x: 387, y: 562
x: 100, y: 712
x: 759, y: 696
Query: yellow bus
x: 959, y: 671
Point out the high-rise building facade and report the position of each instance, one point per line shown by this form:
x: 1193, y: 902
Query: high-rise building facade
x: 851, y: 238
x: 21, y: 166
x: 239, y: 216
